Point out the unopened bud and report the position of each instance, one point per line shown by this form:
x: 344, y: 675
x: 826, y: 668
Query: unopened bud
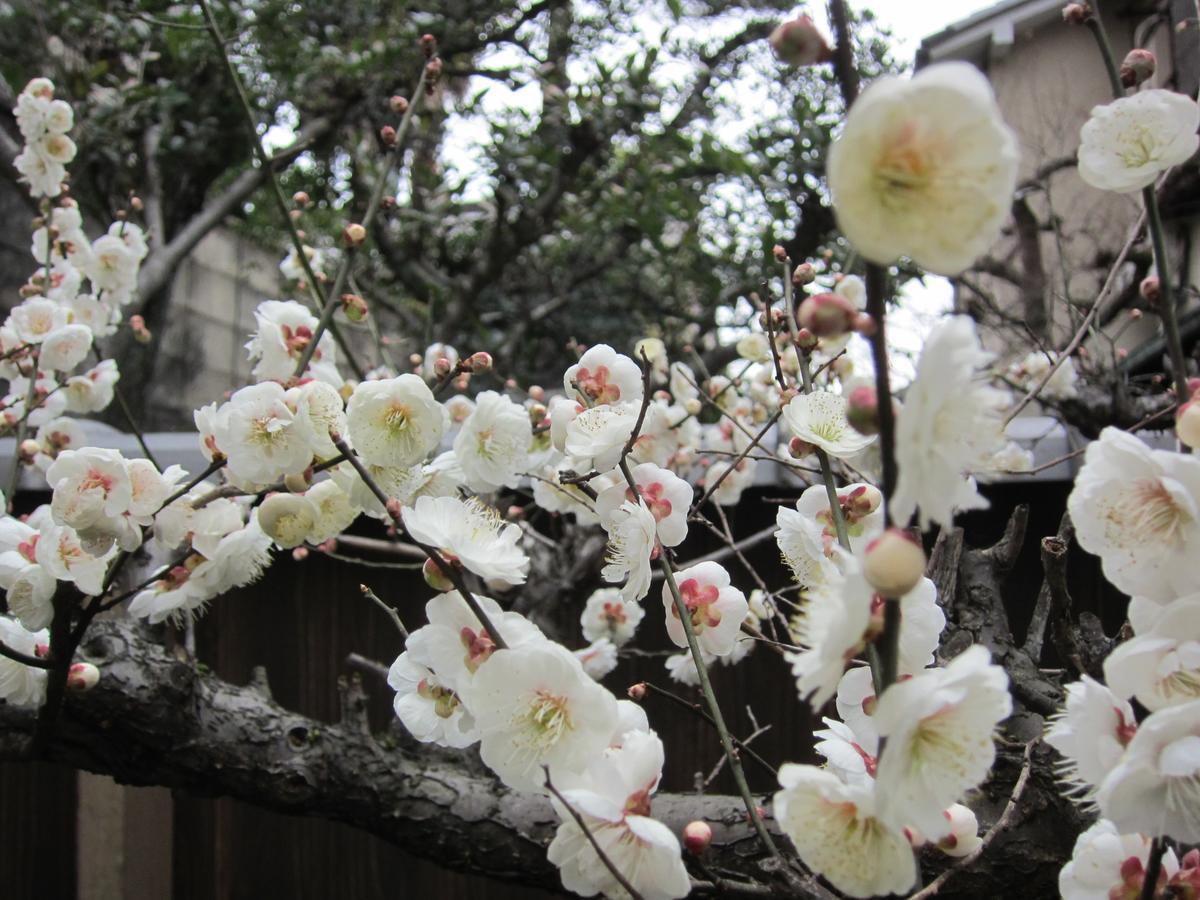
x: 30, y: 290
x: 1076, y: 13
x: 387, y: 134
x: 298, y: 482
x: 442, y: 367
x: 779, y: 253
x: 806, y: 340
x: 514, y: 512
x: 299, y: 554
x: 865, y: 325
x: 301, y: 199
x: 1187, y: 424
x: 29, y: 449
x: 894, y: 563
x: 480, y: 361
x: 537, y: 392
x: 392, y: 508
x: 135, y: 203
x: 433, y: 71
x: 1135, y: 314
x: 82, y: 677
x: 435, y: 577
x: 387, y: 202
x: 141, y: 333
x: 537, y: 413
x: 1193, y: 385
x: 294, y: 215
x: 637, y: 692
x: 692, y: 406
x: 354, y: 234
x: 1150, y: 289
x: 510, y: 384
x: 697, y: 837
x: 1137, y: 66
x: 798, y: 42
x: 827, y: 315
x: 862, y: 410
x: 398, y: 104
x: 863, y: 500
x: 428, y: 44
x: 415, y: 359
x: 355, y: 307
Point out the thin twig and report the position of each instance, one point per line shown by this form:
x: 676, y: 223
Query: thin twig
x: 391, y: 612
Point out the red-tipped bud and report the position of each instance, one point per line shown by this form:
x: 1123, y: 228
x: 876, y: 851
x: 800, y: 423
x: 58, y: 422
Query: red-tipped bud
x: 804, y: 274
x: 862, y: 410
x: 428, y: 44
x: 865, y: 325
x: 798, y: 42
x: 135, y: 203
x: 1135, y: 314
x: 1137, y: 66
x: 697, y: 837
x: 355, y: 307
x: 433, y: 71
x: 398, y: 104
x: 392, y: 508
x: 807, y: 340
x: 387, y: 202
x: 1076, y: 13
x: 442, y: 367
x: 1150, y: 288
x: 480, y: 361
x: 435, y: 577
x: 637, y: 692
x: 827, y: 315
x: 779, y: 253
x: 1193, y: 385
x: 387, y: 134
x: 800, y: 449
x: 894, y: 563
x: 1187, y: 424
x: 28, y: 449
x: 299, y: 554
x: 82, y: 677
x: 354, y: 234
x: 301, y: 199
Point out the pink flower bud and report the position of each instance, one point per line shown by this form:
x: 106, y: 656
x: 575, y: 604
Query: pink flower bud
x: 442, y: 367
x: 299, y: 554
x: 799, y: 43
x: 800, y: 449
x: 637, y: 692
x: 1187, y: 424
x: 1076, y: 13
x: 428, y: 44
x: 1150, y: 289
x: 29, y: 449
x: 354, y: 234
x: 135, y: 203
x: 807, y: 340
x: 865, y: 325
x: 697, y: 837
x: 480, y: 361
x: 862, y: 410
x: 435, y: 577
x: 779, y: 253
x: 355, y: 307
x: 433, y: 71
x: 1137, y: 66
x: 827, y: 315
x: 392, y: 507
x: 894, y: 563
x: 803, y: 274
x: 82, y: 677
x: 301, y: 199
x: 387, y: 134
x: 1193, y: 385
x: 398, y: 104
x: 1135, y: 314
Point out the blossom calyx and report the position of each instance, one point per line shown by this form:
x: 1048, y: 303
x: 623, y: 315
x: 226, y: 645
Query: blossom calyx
x: 798, y: 42
x: 827, y: 315
x: 803, y: 274
x: 894, y: 563
x: 82, y: 677
x: 355, y: 307
x: 435, y: 577
x: 1137, y: 66
x: 697, y: 837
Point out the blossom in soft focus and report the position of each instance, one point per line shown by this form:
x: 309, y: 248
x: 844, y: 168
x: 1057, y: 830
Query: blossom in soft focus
x: 925, y: 167
x: 1160, y: 667
x: 614, y: 799
x: 21, y: 685
x: 493, y: 444
x: 1125, y: 144
x: 606, y: 615
x: 395, y: 421
x: 598, y: 659
x: 1034, y: 366
x: 963, y: 837
x: 534, y: 707
x: 1155, y: 787
x: 1090, y: 732
x: 1138, y: 510
x: 819, y: 418
x: 632, y: 543
x: 1106, y: 864
x: 952, y: 420
x: 839, y: 836
x: 806, y: 548
x: 715, y: 607
x: 938, y: 726
x: 470, y: 532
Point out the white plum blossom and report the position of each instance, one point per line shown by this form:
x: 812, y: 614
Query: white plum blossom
x: 938, y: 726
x: 951, y: 421
x: 37, y: 318
x: 1125, y: 144
x: 287, y: 519
x: 1160, y: 667
x: 731, y: 479
x: 395, y: 421
x: 256, y: 430
x: 30, y: 597
x: 319, y: 411
x: 604, y: 376
x: 632, y: 544
x: 1139, y: 510
x: 925, y: 167
x: 91, y: 489
x: 21, y: 685
x: 1091, y: 733
x: 293, y: 270
x: 284, y: 331
x: 112, y: 268
x: 62, y: 553
x: 614, y: 799
x: 606, y: 615
x: 848, y: 755
x: 65, y: 348
x: 598, y: 658
x: 805, y: 548
x: 535, y: 707
x: 334, y: 511
x: 862, y: 511
x: 716, y: 608
x: 432, y: 712
x: 93, y: 390
x: 838, y: 834
x: 493, y: 444
x: 665, y: 494
x: 1032, y: 368
x: 470, y: 532
x: 598, y: 434
x: 1155, y: 787
x: 819, y: 418
x: 1106, y: 864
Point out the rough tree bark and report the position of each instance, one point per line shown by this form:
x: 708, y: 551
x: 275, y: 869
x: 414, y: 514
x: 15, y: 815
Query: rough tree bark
x: 155, y: 719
